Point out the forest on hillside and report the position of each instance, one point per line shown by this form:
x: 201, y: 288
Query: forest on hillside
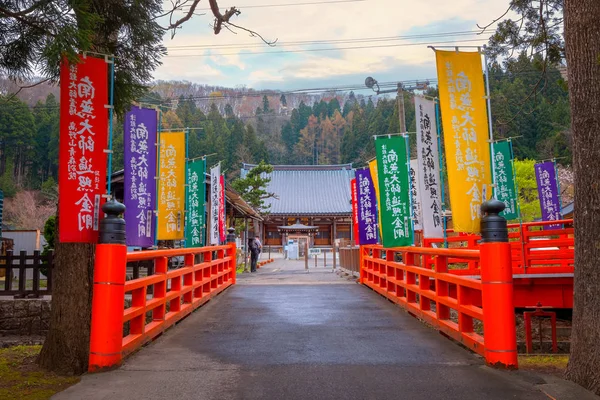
x: 337, y: 128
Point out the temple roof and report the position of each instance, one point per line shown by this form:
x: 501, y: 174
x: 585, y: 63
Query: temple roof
x: 309, y: 189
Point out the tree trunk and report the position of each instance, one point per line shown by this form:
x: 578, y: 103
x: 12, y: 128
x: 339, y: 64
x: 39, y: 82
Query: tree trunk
x: 582, y: 40
x: 67, y: 346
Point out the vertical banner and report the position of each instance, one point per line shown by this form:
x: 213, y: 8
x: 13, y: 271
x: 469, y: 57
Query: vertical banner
x: 428, y: 158
x: 373, y: 169
x: 415, y: 198
x: 393, y: 176
x: 83, y: 139
x: 464, y: 118
x: 215, y: 182
x: 545, y: 175
x: 504, y: 179
x: 194, y: 217
x: 171, y: 186
x: 222, y: 209
x: 367, y: 207
x: 354, y: 191
x: 140, y: 172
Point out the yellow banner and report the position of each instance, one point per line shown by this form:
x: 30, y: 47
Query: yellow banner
x: 171, y: 186
x: 373, y: 170
x: 464, y: 117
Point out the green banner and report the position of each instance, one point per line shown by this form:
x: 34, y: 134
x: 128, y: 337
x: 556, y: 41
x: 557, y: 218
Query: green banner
x: 394, y: 191
x: 194, y: 221
x: 504, y: 179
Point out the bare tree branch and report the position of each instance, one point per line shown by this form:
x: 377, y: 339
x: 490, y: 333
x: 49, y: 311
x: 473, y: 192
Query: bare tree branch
x: 13, y: 95
x: 221, y: 19
x: 483, y: 28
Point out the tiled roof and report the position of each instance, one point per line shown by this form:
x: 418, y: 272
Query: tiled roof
x: 309, y: 189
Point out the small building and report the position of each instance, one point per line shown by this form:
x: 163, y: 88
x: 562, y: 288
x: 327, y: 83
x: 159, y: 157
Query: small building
x: 315, y: 196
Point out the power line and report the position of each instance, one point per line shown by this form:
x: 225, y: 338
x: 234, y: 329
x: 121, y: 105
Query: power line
x: 328, y: 49
x: 297, y: 92
x: 290, y: 4
x: 325, y: 41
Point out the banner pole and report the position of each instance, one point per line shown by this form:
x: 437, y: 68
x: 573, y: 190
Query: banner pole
x: 187, y: 188
x: 521, y: 233
x: 412, y: 210
x: 204, y: 232
x: 156, y: 177
x: 110, y: 124
x: 441, y: 161
x: 489, y: 112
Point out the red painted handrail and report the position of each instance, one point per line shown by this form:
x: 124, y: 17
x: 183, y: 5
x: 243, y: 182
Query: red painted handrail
x: 451, y: 303
x: 207, y: 271
x: 534, y: 250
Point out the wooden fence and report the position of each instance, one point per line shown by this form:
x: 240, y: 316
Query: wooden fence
x: 26, y: 275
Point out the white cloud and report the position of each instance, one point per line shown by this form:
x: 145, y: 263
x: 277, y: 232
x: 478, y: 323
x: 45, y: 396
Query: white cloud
x: 372, y: 18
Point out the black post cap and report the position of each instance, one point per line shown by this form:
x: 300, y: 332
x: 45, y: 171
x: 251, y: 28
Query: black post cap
x: 493, y: 225
x: 231, y: 235
x: 112, y: 226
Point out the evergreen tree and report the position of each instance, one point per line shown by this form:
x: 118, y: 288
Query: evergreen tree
x: 266, y: 107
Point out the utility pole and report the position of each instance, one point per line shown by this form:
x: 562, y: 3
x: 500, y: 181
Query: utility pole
x: 373, y: 84
x: 401, y: 112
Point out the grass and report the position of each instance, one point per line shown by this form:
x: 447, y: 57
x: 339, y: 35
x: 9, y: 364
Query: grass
x: 552, y: 364
x: 22, y: 379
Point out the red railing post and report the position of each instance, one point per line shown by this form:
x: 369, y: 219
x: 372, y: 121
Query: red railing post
x: 106, y: 335
x: 232, y: 252
x: 499, y: 328
x: 361, y: 273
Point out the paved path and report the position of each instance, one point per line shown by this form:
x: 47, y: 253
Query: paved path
x: 283, y: 333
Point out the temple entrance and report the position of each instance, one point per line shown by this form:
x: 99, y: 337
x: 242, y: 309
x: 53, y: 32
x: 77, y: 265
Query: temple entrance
x: 302, y: 241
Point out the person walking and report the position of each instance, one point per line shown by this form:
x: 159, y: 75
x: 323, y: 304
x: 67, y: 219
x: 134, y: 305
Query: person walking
x: 254, y: 250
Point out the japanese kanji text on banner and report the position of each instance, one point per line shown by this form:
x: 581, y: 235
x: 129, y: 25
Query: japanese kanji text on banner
x: 83, y: 139
x: 222, y: 234
x: 463, y: 108
x: 394, y: 189
x: 140, y: 173
x: 354, y: 194
x: 373, y: 169
x: 415, y: 196
x: 504, y: 179
x: 545, y: 174
x: 215, y: 200
x: 367, y: 207
x: 429, y: 169
x: 194, y: 226
x: 171, y: 186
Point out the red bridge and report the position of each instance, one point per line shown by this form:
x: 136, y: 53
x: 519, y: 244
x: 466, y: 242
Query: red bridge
x: 280, y: 317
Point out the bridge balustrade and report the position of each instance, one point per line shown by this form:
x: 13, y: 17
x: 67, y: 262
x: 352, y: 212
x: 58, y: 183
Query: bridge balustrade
x: 125, y: 315
x: 535, y: 250
x: 479, y: 313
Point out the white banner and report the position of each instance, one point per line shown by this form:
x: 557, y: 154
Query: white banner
x: 417, y: 212
x: 429, y: 169
x: 215, y: 195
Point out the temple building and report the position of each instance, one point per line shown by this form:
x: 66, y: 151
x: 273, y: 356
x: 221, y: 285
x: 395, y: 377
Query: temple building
x: 311, y: 200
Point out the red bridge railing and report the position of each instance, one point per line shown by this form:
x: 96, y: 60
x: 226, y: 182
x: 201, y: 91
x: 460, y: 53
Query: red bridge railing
x: 118, y: 330
x: 534, y: 250
x: 479, y: 313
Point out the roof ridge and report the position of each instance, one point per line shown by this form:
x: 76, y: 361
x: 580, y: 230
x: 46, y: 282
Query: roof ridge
x: 293, y: 167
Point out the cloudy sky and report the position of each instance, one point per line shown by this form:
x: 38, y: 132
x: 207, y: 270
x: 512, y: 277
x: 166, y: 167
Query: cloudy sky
x: 386, y: 39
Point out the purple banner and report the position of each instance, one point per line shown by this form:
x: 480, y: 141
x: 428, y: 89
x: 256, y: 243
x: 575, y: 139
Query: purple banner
x: 545, y: 174
x: 140, y: 169
x: 367, y: 207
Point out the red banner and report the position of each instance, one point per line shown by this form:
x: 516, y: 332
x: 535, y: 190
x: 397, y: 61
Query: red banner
x: 222, y: 210
x: 83, y: 139
x: 354, y: 210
